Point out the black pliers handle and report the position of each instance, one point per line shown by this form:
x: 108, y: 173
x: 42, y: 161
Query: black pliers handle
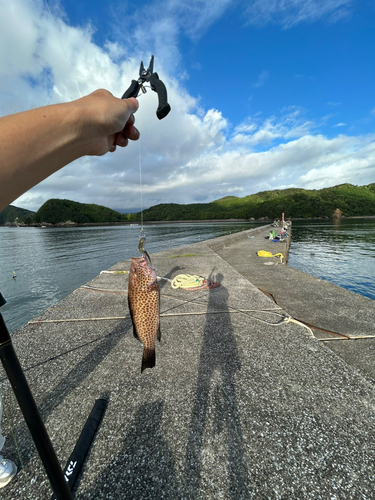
x: 156, y: 85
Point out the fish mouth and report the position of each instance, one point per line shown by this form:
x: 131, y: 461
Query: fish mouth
x: 146, y: 256
x: 144, y: 261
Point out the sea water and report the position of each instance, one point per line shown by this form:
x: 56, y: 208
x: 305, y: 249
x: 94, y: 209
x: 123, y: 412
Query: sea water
x: 50, y: 263
x: 341, y: 251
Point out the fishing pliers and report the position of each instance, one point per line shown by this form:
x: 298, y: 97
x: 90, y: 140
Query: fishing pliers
x: 156, y: 85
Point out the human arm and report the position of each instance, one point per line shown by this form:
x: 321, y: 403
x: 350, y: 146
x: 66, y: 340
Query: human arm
x: 34, y: 144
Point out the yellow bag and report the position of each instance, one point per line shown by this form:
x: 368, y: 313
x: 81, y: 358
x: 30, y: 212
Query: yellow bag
x: 263, y: 253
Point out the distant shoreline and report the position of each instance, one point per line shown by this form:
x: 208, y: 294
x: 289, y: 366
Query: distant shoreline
x: 145, y: 223
x: 190, y: 221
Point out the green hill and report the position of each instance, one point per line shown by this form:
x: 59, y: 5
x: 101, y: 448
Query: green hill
x: 55, y: 211
x: 11, y: 213
x: 294, y: 202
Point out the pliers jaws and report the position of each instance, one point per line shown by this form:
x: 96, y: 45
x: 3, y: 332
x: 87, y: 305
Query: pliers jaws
x: 148, y: 75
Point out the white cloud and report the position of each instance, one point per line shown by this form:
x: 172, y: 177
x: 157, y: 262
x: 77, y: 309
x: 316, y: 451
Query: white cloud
x: 288, y: 13
x: 290, y: 125
x: 156, y: 27
x: 310, y: 161
x: 44, y: 60
x: 193, y: 154
x: 262, y: 78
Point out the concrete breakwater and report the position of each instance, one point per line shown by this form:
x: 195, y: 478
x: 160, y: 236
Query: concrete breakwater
x: 241, y: 404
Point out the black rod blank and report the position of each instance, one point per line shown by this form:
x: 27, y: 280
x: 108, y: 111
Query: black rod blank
x: 31, y: 415
x: 78, y: 456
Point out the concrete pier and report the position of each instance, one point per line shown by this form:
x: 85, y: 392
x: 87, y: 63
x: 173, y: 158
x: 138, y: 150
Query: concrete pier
x: 242, y: 403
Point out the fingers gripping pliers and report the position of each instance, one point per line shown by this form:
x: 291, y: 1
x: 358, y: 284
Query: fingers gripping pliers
x: 148, y: 75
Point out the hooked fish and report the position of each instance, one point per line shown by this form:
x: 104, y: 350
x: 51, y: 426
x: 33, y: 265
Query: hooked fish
x: 144, y: 306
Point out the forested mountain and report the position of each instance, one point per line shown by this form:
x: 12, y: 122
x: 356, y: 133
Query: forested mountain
x: 55, y: 211
x: 295, y: 203
x: 11, y: 213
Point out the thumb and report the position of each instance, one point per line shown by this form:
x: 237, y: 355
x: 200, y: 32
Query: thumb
x: 133, y: 104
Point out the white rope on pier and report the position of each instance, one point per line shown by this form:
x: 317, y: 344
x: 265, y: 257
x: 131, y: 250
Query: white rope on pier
x: 162, y: 315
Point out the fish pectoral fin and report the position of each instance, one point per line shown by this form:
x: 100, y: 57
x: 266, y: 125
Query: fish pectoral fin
x: 158, y: 335
x: 133, y: 322
x: 152, y: 286
x: 135, y: 333
x: 148, y: 359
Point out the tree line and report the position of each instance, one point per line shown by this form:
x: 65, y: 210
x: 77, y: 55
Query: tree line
x: 350, y: 200
x: 294, y: 203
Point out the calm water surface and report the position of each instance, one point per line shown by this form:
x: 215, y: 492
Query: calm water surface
x: 51, y: 263
x: 340, y: 251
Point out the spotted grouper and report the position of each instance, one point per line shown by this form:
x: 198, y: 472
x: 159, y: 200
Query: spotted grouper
x: 144, y: 306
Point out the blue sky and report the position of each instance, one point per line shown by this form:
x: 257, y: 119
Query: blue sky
x: 265, y: 94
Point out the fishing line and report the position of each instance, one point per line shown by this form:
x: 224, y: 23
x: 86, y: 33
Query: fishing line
x: 140, y: 182
x: 21, y: 466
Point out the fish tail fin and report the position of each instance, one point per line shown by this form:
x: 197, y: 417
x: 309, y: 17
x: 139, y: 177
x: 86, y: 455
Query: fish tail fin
x: 148, y: 359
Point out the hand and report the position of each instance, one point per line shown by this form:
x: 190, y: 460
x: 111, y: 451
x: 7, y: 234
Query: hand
x: 109, y: 121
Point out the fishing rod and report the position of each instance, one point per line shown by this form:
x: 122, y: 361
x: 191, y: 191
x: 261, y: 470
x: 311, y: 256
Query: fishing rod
x: 31, y: 413
x: 78, y: 456
x: 62, y: 482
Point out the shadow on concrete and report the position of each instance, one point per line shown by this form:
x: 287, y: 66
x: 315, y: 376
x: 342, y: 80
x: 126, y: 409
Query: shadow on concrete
x: 169, y: 275
x: 216, y: 391
x: 145, y: 464
x: 56, y: 396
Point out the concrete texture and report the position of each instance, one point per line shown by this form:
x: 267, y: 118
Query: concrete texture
x: 332, y: 312
x: 240, y: 405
